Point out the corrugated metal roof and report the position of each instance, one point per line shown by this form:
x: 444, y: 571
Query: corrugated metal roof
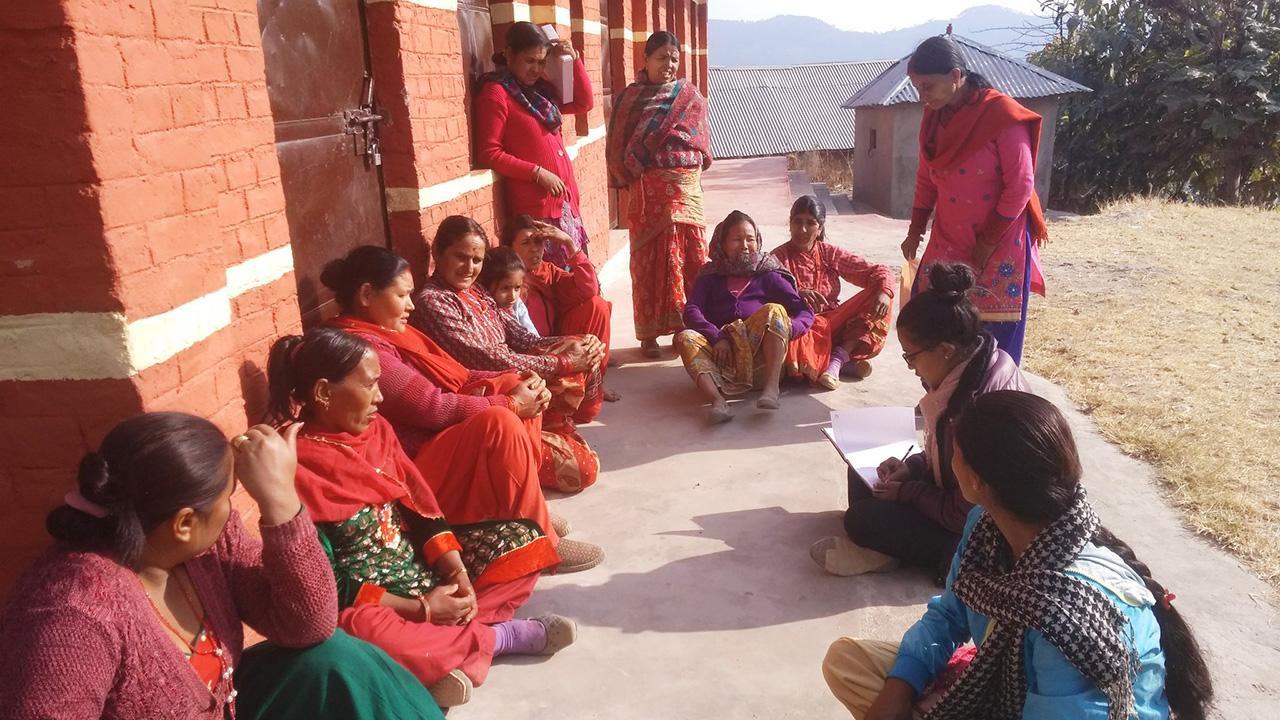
x: 1014, y: 77
x: 758, y: 111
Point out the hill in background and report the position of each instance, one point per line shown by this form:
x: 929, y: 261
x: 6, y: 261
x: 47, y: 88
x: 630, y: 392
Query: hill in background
x: 790, y: 39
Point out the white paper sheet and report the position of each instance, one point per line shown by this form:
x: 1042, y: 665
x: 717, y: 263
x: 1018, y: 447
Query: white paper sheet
x: 866, y: 437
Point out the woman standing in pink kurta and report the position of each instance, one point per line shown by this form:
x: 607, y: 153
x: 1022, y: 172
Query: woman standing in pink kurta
x: 977, y: 171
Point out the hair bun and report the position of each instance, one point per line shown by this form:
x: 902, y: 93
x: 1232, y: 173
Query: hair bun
x: 334, y: 274
x: 951, y: 281
x: 94, y: 479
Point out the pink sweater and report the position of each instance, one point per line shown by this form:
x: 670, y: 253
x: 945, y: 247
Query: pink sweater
x: 81, y: 639
x: 418, y: 408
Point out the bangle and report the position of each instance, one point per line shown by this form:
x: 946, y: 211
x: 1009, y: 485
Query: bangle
x: 536, y: 168
x: 455, y: 573
x: 426, y: 609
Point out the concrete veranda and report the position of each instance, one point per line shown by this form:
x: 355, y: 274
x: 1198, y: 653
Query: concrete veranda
x: 708, y: 605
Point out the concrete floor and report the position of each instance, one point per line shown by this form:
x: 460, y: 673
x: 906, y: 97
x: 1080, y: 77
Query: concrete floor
x: 708, y: 605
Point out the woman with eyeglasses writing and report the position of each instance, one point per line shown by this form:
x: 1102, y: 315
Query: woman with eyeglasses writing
x: 916, y: 512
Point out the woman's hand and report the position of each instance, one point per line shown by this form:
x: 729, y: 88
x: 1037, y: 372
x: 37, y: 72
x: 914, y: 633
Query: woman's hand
x: 548, y: 181
x: 447, y: 608
x: 563, y: 48
x: 888, y: 468
x: 882, y: 305
x: 580, y: 359
x: 911, y: 245
x: 723, y: 350
x: 266, y: 462
x: 594, y: 347
x: 531, y: 397
x: 893, y: 703
x: 814, y: 300
x: 555, y: 234
x: 887, y: 490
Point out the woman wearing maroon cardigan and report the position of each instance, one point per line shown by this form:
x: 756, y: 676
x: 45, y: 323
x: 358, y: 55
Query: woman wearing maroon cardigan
x: 518, y: 115
x: 137, y: 611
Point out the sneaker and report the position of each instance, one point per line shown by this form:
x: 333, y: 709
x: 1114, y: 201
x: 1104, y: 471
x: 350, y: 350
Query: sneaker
x: 576, y: 556
x: 455, y: 688
x: 561, y: 525
x: 561, y: 632
x: 838, y: 555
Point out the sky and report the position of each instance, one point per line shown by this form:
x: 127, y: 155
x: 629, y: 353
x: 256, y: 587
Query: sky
x: 860, y: 15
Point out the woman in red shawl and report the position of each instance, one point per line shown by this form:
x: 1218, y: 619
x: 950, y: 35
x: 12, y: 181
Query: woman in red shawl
x: 561, y: 300
x: 475, y: 436
x: 657, y: 147
x: 438, y: 598
x: 977, y: 171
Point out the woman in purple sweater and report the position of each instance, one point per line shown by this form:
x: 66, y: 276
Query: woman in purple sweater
x: 916, y: 512
x: 743, y: 311
x: 137, y: 611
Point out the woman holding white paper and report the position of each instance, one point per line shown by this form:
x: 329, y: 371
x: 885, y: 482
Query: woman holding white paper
x: 518, y: 114
x: 916, y: 511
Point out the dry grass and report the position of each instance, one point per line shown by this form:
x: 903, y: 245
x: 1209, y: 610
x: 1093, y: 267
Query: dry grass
x: 1163, y: 323
x: 833, y: 167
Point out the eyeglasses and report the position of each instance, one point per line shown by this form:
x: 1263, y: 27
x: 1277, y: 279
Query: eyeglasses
x: 908, y: 357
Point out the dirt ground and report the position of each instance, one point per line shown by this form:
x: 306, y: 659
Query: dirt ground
x: 1162, y: 323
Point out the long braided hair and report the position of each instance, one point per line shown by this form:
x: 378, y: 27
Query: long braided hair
x: 1021, y: 448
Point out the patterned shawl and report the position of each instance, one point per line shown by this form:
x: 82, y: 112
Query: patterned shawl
x: 1035, y: 593
x: 757, y: 263
x: 537, y: 99
x: 656, y: 126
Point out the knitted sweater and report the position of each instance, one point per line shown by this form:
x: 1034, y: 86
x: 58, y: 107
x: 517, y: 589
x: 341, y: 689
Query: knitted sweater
x: 81, y: 638
x: 415, y: 406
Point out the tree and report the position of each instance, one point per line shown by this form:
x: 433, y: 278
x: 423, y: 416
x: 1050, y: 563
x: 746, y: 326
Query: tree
x: 1186, y: 100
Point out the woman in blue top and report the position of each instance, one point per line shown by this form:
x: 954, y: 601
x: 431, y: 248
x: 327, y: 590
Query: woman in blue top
x: 1068, y: 623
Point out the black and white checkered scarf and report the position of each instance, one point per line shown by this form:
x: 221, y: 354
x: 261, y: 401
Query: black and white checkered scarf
x: 1074, y: 616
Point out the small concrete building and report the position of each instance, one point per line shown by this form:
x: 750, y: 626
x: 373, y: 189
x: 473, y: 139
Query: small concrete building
x: 887, y: 123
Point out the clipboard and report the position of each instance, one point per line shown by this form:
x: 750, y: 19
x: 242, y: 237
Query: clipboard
x: 866, y: 437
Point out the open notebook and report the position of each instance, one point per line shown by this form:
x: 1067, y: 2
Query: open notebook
x: 866, y: 437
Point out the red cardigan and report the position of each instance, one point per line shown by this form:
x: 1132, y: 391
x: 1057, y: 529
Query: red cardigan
x: 81, y: 639
x: 511, y: 141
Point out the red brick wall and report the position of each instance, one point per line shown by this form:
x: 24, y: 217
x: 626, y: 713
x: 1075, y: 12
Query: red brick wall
x: 153, y: 170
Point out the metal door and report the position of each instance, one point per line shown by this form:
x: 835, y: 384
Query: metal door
x: 321, y: 95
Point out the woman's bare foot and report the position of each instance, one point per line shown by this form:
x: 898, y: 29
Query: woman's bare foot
x: 769, y: 399
x: 611, y: 396
x: 649, y: 348
x: 720, y: 412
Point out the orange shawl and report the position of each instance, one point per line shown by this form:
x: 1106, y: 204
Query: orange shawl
x: 975, y: 124
x: 417, y: 349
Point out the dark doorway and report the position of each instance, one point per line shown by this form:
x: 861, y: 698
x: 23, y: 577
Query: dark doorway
x: 321, y: 94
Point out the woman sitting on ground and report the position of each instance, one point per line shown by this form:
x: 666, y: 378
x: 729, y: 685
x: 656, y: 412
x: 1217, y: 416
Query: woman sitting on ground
x: 916, y: 511
x: 1069, y: 624
x: 844, y: 335
x: 404, y: 574
x: 740, y: 316
x: 460, y: 316
x: 476, y: 437
x: 137, y: 611
x: 565, y: 300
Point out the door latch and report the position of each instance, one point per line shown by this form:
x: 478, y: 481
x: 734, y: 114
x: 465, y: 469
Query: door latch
x: 363, y: 121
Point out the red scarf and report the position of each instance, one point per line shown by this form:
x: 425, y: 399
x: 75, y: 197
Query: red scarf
x: 974, y: 124
x: 419, y: 350
x: 340, y: 473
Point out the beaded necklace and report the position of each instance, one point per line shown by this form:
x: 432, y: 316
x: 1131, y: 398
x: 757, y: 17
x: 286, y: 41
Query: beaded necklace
x: 204, y: 644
